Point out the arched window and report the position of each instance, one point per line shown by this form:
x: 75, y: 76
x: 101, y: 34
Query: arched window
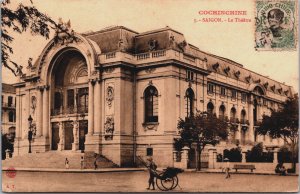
x: 258, y: 91
x: 210, y: 108
x: 222, y: 112
x: 232, y: 115
x: 243, y: 117
x: 151, y: 104
x: 190, y: 96
x: 11, y: 116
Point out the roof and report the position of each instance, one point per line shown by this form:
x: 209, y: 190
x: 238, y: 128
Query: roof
x: 8, y: 88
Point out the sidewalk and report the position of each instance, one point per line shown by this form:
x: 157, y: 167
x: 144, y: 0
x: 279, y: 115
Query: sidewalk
x: 205, y: 170
x: 100, y: 170
x: 105, y: 170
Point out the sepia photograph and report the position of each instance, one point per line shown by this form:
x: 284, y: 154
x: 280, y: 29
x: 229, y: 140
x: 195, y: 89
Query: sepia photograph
x: 150, y: 96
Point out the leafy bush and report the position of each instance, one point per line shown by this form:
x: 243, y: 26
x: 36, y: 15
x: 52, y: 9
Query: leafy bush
x: 6, y: 145
x: 257, y: 155
x: 234, y: 154
x: 285, y: 155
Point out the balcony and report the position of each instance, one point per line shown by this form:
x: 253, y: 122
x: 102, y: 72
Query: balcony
x: 234, y: 120
x: 223, y: 117
x: 8, y: 105
x: 244, y: 122
x: 152, y: 56
x: 69, y: 110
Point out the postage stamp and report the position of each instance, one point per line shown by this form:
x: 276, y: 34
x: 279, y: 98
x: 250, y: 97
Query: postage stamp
x: 276, y: 25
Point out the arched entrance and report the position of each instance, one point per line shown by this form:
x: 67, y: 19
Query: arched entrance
x: 69, y: 101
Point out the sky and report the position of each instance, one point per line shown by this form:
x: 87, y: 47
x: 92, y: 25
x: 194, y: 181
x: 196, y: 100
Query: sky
x: 232, y: 40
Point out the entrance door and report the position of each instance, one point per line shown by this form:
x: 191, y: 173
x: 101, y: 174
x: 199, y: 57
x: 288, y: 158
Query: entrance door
x: 55, y: 136
x: 83, y: 129
x: 68, y: 136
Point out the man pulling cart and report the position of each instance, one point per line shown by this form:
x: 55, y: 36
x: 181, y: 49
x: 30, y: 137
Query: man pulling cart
x: 165, y: 180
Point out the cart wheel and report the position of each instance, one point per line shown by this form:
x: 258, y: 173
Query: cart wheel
x: 175, y: 182
x: 159, y: 184
x: 168, y: 183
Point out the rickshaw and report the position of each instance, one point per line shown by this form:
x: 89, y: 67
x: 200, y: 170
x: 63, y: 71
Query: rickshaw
x: 167, y: 179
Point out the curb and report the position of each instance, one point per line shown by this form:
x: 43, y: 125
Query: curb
x: 74, y: 170
x: 249, y: 173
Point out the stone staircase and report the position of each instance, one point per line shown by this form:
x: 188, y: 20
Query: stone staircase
x: 56, y: 160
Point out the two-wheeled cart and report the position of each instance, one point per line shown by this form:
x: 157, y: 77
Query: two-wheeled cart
x: 167, y: 179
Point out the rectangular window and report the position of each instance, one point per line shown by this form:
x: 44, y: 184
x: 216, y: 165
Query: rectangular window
x: 70, y: 98
x: 83, y: 100
x: 244, y: 97
x: 210, y: 88
x: 57, y: 100
x: 189, y: 75
x: 10, y: 101
x: 233, y: 94
x: 149, y: 151
x: 223, y: 91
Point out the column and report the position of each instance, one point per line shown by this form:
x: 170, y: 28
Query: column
x: 244, y: 156
x: 39, y: 114
x: 97, y: 110
x: 91, y: 108
x: 185, y: 157
x: 251, y: 124
x: 275, y: 159
x: 25, y: 115
x: 46, y: 112
x: 61, y: 137
x: 18, y: 108
x: 75, y: 144
x: 211, y: 159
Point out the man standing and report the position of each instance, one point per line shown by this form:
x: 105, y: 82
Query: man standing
x: 152, y: 172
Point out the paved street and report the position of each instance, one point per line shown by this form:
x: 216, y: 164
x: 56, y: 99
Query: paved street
x: 137, y: 182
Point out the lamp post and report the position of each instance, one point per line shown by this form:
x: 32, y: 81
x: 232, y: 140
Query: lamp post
x: 30, y: 133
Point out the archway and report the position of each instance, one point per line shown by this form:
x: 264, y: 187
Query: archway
x: 69, y: 99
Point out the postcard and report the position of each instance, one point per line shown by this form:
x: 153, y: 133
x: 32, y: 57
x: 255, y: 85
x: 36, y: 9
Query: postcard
x: 150, y: 96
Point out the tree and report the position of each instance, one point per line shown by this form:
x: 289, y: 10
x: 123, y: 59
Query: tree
x: 6, y: 145
x: 19, y: 20
x: 283, y: 124
x: 203, y: 129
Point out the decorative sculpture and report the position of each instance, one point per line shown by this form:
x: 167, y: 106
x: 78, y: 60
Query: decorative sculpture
x: 64, y: 33
x: 109, y: 96
x: 182, y: 45
x: 153, y: 44
x: 109, y: 128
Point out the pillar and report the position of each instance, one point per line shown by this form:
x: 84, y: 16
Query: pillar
x: 211, y: 159
x: 97, y: 109
x: 91, y: 108
x: 61, y: 137
x: 251, y: 124
x: 185, y: 157
x: 244, y: 156
x: 46, y: 112
x: 18, y: 108
x: 25, y: 111
x: 275, y: 159
x: 39, y: 114
x: 75, y: 144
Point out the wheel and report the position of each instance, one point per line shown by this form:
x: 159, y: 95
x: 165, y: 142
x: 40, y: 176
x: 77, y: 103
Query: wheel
x: 175, y: 182
x: 168, y: 183
x: 159, y: 184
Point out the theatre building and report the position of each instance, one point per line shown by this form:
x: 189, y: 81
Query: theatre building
x: 120, y: 93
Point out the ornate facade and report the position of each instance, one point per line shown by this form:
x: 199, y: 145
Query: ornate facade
x: 120, y: 93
